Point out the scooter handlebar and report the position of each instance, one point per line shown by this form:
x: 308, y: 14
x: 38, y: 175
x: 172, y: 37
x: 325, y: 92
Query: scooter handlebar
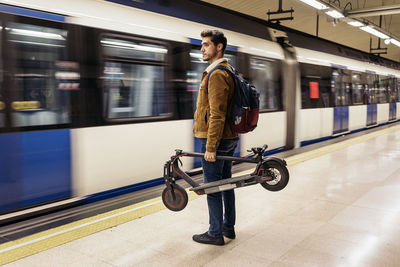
x: 230, y: 158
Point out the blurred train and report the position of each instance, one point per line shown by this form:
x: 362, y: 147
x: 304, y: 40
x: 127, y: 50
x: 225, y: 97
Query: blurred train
x: 96, y: 95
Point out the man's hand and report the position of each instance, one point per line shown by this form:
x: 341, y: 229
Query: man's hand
x: 210, y: 156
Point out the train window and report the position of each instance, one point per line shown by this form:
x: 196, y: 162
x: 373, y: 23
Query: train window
x: 325, y: 86
x: 341, y: 87
x: 392, y: 91
x: 397, y: 90
x: 371, y: 88
x: 2, y: 98
x: 382, y: 90
x: 198, y: 66
x: 265, y: 76
x: 346, y: 88
x: 315, y: 86
x: 131, y: 49
x: 135, y: 87
x: 194, y: 75
x: 336, y: 87
x: 357, y: 88
x: 38, y: 99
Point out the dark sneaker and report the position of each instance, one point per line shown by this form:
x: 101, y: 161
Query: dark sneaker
x: 207, y: 239
x: 229, y: 234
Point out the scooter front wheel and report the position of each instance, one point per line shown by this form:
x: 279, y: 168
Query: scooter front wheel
x: 277, y: 174
x: 176, y: 201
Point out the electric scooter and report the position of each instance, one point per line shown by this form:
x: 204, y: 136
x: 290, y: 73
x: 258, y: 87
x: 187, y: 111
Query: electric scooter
x: 270, y: 172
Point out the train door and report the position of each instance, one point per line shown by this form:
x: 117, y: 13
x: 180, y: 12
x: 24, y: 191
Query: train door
x: 392, y: 98
x: 3, y: 94
x: 10, y: 188
x: 37, y: 161
x: 372, y: 107
x: 392, y: 111
x: 397, y: 97
x: 340, y: 86
x: 194, y: 75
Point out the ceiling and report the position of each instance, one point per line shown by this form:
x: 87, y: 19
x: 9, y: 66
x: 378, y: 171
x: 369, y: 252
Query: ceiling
x: 305, y: 20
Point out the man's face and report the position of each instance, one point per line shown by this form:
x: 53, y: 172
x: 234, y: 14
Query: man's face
x: 208, y: 49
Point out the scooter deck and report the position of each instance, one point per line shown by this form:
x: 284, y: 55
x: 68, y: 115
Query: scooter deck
x: 222, y: 182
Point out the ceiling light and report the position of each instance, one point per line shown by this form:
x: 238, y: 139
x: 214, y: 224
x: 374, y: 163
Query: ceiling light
x: 395, y: 42
x: 335, y: 14
x: 374, y: 32
x: 314, y: 3
x: 355, y: 23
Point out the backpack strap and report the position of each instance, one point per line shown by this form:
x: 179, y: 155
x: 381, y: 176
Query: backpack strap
x: 219, y: 67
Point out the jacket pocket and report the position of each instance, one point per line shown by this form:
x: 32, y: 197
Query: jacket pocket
x: 201, y: 120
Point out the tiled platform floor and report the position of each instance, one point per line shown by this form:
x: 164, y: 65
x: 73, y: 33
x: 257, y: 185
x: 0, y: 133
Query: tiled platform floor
x: 340, y: 209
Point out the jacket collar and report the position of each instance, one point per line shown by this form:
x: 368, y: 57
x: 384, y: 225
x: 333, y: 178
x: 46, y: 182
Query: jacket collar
x: 215, y: 63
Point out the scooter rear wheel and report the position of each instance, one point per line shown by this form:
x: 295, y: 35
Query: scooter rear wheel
x: 278, y: 176
x: 179, y: 202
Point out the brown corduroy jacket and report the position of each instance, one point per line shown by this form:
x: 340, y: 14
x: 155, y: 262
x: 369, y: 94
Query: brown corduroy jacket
x: 211, y: 119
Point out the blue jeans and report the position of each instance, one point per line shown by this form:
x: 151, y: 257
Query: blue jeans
x: 214, y: 171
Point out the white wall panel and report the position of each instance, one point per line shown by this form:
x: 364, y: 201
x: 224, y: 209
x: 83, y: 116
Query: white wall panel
x: 357, y: 117
x: 326, y: 122
x: 114, y: 156
x: 383, y: 113
x: 398, y: 111
x: 316, y: 123
x: 271, y: 130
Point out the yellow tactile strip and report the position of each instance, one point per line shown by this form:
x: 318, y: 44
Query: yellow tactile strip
x: 15, y: 250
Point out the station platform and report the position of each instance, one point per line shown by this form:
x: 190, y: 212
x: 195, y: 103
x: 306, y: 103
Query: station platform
x: 340, y: 208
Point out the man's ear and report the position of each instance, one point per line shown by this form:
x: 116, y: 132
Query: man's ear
x: 219, y: 47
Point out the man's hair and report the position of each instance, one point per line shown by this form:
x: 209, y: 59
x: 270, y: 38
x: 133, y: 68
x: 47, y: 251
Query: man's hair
x: 217, y: 37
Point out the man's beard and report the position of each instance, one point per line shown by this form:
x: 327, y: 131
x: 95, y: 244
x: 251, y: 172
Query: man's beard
x: 208, y: 57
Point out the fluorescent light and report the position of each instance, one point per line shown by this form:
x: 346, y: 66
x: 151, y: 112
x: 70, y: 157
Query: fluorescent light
x: 334, y: 14
x: 47, y: 35
x: 196, y: 55
x: 395, y: 42
x: 314, y: 3
x: 36, y: 43
x: 355, y: 23
x: 374, y: 32
x: 134, y: 47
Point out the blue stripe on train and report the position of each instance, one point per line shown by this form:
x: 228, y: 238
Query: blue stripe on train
x: 35, y: 168
x: 31, y: 13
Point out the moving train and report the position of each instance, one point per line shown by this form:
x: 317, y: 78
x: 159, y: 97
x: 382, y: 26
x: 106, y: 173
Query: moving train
x: 96, y: 95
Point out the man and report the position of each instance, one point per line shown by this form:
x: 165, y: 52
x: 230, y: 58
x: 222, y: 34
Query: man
x: 213, y: 129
